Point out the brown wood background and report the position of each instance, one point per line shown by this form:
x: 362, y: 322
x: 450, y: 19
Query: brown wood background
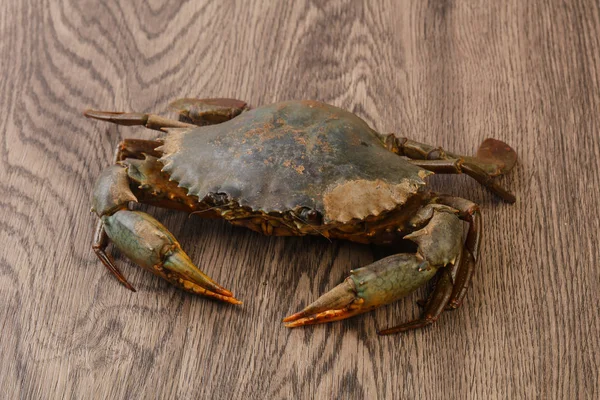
x: 445, y: 72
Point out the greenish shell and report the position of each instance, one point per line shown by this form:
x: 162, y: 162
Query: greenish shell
x: 290, y: 155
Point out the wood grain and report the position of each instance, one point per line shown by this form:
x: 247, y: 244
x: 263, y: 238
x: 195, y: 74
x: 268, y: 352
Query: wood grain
x: 444, y: 72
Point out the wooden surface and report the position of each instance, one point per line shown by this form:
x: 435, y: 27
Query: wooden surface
x: 445, y: 72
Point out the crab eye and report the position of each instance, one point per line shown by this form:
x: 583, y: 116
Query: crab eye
x: 219, y: 199
x: 311, y: 216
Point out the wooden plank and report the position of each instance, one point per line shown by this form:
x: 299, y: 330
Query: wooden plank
x: 447, y: 73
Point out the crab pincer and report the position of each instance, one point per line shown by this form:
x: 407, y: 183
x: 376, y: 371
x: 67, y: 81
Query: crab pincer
x: 149, y: 244
x: 393, y: 277
x: 366, y: 288
x: 144, y: 240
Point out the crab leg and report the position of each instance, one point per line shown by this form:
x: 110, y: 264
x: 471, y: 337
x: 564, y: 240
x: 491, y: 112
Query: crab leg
x: 434, y: 308
x: 192, y: 112
x: 99, y: 246
x: 469, y: 212
x: 208, y: 111
x: 459, y: 166
x: 387, y: 280
x: 493, y: 158
x: 150, y: 121
x: 462, y: 280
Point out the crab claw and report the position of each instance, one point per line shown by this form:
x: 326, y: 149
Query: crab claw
x: 365, y: 289
x: 180, y: 270
x: 339, y: 303
x: 149, y: 244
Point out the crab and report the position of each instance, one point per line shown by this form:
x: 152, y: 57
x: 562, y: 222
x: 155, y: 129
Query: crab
x: 297, y: 168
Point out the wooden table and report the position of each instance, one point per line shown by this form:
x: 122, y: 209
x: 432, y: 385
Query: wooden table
x: 445, y: 72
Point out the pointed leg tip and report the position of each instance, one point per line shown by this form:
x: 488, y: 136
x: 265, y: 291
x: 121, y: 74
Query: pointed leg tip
x: 125, y: 283
x: 90, y: 112
x: 397, y: 329
x: 505, y: 195
x: 96, y: 114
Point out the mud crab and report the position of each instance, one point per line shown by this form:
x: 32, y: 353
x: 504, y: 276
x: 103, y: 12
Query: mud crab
x: 291, y: 169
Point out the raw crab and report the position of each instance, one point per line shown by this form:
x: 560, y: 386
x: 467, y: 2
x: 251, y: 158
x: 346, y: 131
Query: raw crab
x: 292, y: 169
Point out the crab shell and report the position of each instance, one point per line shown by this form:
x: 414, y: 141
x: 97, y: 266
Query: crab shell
x: 289, y: 156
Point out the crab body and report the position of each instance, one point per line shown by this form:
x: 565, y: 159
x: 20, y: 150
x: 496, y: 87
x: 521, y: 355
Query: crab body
x: 291, y: 169
x: 301, y: 167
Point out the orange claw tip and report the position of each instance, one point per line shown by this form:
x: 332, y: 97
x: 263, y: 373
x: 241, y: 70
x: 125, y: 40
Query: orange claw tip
x: 226, y: 299
x: 224, y: 292
x: 321, y: 317
x: 233, y: 300
x: 194, y: 288
x: 313, y: 320
x: 293, y: 317
x: 299, y: 322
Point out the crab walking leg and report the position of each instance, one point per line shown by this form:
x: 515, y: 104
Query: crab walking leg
x: 150, y: 121
x: 469, y: 212
x: 387, y: 280
x: 460, y: 166
x: 462, y: 281
x: 494, y: 158
x: 99, y: 246
x: 192, y: 112
x: 434, y: 308
x: 208, y: 111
